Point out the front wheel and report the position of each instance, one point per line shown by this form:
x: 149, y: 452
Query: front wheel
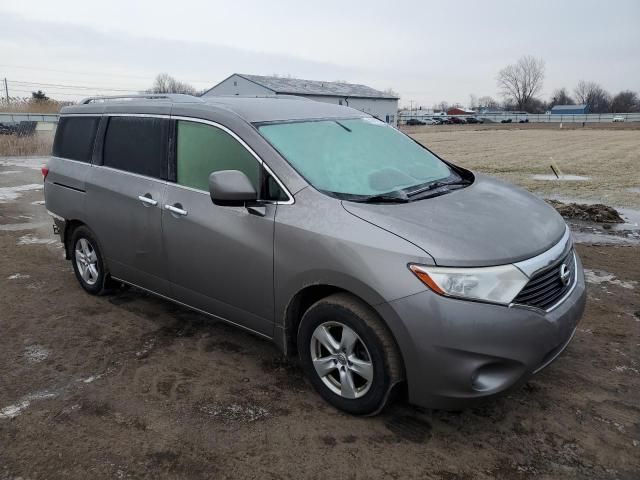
x: 348, y: 354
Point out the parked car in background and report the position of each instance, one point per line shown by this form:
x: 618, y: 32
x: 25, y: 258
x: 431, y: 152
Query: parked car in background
x: 474, y: 120
x: 506, y: 120
x: 415, y: 121
x: 321, y: 229
x: 8, y: 128
x: 457, y: 120
x: 618, y: 118
x: 524, y: 120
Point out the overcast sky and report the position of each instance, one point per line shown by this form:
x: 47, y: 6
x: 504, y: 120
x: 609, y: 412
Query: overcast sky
x: 427, y: 51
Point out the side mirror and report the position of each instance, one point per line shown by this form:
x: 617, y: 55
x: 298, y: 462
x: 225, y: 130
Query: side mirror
x: 231, y: 187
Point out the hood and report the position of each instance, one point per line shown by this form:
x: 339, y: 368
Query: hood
x: 488, y: 223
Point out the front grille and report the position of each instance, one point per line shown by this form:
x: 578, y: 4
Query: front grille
x: 546, y: 287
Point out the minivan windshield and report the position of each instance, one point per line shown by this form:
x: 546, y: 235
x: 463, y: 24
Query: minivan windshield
x: 358, y: 159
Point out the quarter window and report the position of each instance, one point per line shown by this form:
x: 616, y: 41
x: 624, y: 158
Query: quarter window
x: 203, y: 149
x: 137, y: 145
x: 75, y: 137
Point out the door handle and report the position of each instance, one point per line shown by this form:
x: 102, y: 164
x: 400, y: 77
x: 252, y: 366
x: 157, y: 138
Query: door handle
x: 147, y: 200
x: 176, y: 209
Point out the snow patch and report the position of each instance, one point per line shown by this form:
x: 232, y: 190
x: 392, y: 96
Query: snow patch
x: 625, y: 368
x: 34, y: 163
x: 36, y: 353
x: 16, y: 227
x: 11, y: 193
x: 30, y: 239
x: 598, y: 277
x: 17, y: 408
x: 17, y: 276
x: 91, y: 379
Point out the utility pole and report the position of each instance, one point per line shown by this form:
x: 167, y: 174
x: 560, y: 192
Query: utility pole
x: 6, y: 90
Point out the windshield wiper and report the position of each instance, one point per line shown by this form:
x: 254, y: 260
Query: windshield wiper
x: 436, y: 185
x: 343, y: 126
x: 391, y: 197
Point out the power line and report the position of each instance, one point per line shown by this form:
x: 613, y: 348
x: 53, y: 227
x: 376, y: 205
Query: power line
x: 76, y: 87
x: 93, y: 72
x: 68, y: 94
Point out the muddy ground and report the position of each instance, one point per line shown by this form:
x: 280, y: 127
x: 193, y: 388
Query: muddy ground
x: 130, y: 386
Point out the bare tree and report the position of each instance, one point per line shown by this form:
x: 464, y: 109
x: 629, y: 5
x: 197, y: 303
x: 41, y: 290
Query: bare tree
x: 442, y: 106
x: 561, y: 97
x: 473, y: 102
x: 594, y: 96
x: 390, y: 92
x: 488, y: 103
x: 522, y: 81
x: 625, y: 101
x: 165, y: 83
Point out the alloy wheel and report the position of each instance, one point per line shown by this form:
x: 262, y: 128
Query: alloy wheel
x: 87, y: 261
x: 341, y: 360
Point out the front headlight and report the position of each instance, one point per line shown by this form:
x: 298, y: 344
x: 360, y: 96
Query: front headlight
x: 499, y: 284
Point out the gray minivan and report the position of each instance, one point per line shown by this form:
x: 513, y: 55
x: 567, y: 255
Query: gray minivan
x: 382, y: 266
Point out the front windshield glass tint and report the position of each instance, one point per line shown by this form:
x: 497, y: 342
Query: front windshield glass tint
x: 355, y: 157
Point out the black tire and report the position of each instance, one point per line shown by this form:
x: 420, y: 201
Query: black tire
x: 102, y: 283
x: 341, y: 310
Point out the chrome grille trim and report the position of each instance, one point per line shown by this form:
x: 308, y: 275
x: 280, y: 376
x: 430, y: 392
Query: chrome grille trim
x: 532, y: 266
x: 546, y: 278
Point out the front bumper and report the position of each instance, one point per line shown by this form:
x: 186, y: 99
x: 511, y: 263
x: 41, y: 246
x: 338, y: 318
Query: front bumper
x: 458, y: 351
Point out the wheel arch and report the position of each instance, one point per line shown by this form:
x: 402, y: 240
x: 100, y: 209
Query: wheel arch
x: 69, y: 228
x: 300, y: 303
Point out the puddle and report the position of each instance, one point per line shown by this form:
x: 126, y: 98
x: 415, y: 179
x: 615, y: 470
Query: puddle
x: 592, y: 238
x: 633, y: 190
x: 12, y: 193
x: 630, y: 216
x: 8, y: 172
x: 561, y: 178
x: 598, y: 277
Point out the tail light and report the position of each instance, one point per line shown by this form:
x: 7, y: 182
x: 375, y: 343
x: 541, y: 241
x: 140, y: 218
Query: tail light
x: 45, y: 171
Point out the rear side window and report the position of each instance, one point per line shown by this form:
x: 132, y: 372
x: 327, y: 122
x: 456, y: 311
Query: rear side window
x: 203, y: 149
x: 137, y: 145
x: 75, y: 137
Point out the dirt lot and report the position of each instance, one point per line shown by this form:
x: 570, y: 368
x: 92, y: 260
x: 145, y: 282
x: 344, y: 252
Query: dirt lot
x: 608, y: 156
x: 129, y: 386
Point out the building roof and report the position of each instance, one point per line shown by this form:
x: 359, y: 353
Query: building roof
x: 297, y: 86
x: 568, y: 107
x: 460, y: 109
x: 273, y: 109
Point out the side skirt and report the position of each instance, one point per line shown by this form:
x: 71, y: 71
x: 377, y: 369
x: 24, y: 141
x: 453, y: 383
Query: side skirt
x: 195, y: 309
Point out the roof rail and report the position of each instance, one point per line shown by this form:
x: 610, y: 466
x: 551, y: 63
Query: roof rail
x: 175, y: 97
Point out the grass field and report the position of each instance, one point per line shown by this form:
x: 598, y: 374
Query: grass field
x: 610, y: 157
x: 12, y: 145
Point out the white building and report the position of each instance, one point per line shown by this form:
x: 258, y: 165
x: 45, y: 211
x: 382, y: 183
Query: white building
x: 366, y: 99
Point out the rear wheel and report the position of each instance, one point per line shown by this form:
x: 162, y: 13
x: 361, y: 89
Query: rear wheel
x: 88, y: 263
x: 348, y: 354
